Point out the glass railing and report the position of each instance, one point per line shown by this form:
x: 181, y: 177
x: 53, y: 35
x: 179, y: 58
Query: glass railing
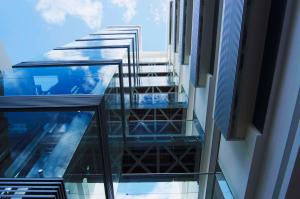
x: 172, y: 185
x: 159, y: 186
x: 174, y: 128
x: 159, y: 130
x: 35, y: 141
x: 149, y: 100
x: 152, y: 69
x: 154, y: 186
x: 152, y: 81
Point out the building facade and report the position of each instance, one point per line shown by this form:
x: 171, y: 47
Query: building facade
x: 236, y: 61
x: 215, y: 116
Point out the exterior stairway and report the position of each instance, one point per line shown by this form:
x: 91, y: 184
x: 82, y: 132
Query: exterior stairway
x: 159, y: 138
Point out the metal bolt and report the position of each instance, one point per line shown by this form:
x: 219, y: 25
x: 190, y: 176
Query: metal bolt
x: 41, y: 173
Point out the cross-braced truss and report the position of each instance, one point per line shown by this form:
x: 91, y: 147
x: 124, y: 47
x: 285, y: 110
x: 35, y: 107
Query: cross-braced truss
x: 149, y: 121
x: 162, y: 158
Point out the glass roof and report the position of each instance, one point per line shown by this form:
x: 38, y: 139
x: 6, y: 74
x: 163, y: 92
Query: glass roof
x: 57, y: 80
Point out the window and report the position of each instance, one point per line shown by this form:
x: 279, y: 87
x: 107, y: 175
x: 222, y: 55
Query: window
x: 187, y: 31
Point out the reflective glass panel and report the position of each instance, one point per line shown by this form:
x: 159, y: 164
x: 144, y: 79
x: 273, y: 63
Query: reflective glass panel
x: 83, y: 54
x: 57, y: 80
x: 44, y: 144
x: 99, y: 43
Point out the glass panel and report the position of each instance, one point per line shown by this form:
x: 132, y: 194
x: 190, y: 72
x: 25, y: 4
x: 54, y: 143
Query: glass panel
x: 84, y: 176
x: 58, y: 80
x: 45, y: 144
x: 99, y: 43
x: 82, y: 54
x: 87, y: 190
x: 105, y: 43
x: 151, y: 100
x: 115, y: 133
x: 166, y: 129
x: 159, y: 100
x: 116, y: 37
x: 57, y: 144
x: 159, y: 190
x: 109, y: 36
x: 153, y: 81
x: 163, y: 186
x: 152, y: 69
x: 118, y: 31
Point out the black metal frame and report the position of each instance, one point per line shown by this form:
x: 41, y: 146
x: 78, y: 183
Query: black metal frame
x: 32, y: 188
x: 128, y: 29
x: 125, y: 33
x: 135, y: 61
x: 72, y: 103
x: 127, y: 47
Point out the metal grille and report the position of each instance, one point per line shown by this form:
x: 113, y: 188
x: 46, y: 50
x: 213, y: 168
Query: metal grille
x: 32, y: 188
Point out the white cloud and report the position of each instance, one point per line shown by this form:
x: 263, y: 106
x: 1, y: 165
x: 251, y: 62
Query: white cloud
x: 159, y: 11
x: 56, y: 11
x: 130, y: 6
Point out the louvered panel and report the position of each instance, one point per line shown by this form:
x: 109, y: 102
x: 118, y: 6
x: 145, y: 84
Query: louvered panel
x: 195, y: 45
x: 32, y: 188
x: 228, y: 64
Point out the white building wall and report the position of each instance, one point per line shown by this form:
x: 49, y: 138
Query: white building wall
x: 283, y: 104
x: 251, y: 167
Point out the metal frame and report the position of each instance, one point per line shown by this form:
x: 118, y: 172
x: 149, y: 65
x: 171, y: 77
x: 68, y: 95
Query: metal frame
x: 129, y: 29
x: 177, y: 160
x: 125, y: 33
x: 72, y: 103
x: 135, y: 61
x: 32, y: 188
x: 126, y: 28
x: 127, y: 47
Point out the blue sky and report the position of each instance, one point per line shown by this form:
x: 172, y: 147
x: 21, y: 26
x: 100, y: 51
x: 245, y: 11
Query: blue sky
x: 32, y: 27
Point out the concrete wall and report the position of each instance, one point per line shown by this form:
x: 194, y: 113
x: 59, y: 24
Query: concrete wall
x: 237, y: 161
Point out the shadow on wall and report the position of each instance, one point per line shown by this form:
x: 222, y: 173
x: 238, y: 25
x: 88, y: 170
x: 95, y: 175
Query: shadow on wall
x: 4, y: 59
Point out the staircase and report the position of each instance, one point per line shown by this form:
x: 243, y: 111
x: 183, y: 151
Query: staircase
x: 159, y: 138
